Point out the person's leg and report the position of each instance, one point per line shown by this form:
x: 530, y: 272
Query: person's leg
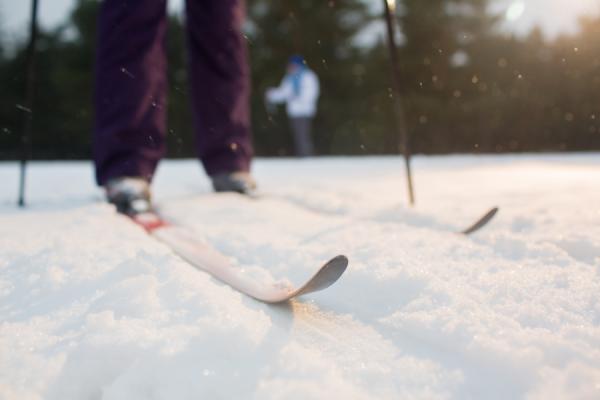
x: 310, y: 148
x: 301, y: 130
x: 130, y: 96
x: 220, y: 84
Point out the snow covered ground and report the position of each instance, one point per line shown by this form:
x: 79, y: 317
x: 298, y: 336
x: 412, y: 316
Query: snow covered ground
x: 93, y: 308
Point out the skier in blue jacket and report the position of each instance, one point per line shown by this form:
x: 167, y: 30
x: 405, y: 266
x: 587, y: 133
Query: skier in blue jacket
x: 299, y: 89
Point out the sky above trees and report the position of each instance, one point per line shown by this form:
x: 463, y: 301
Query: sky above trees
x: 554, y: 16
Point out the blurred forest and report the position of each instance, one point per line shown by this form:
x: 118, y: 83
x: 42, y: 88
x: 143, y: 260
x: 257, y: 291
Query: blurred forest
x: 467, y: 86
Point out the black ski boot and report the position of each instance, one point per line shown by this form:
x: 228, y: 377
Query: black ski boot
x: 131, y: 195
x: 240, y: 182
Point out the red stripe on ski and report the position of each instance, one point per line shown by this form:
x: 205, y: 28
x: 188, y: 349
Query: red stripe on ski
x: 149, y: 221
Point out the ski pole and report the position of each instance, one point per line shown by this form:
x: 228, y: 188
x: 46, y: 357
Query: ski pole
x: 398, y: 109
x: 28, y: 109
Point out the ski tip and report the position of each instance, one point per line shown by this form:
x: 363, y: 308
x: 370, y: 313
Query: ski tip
x: 492, y: 212
x: 481, y: 222
x: 338, y: 263
x: 341, y: 261
x: 333, y: 270
x: 327, y: 275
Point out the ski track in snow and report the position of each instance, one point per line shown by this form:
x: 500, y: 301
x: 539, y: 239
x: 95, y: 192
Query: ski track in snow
x: 93, y: 308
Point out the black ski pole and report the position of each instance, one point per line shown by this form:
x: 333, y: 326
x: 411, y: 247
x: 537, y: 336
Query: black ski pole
x: 398, y: 108
x: 28, y: 108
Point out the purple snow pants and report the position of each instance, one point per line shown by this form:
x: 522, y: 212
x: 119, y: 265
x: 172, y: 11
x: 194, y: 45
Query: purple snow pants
x: 131, y: 86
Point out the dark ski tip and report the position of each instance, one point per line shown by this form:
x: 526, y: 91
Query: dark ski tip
x: 327, y: 275
x: 481, y: 222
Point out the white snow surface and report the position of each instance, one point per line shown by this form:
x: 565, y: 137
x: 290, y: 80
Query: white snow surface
x: 91, y: 307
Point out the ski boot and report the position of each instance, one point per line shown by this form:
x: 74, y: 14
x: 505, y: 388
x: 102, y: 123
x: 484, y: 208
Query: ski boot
x: 131, y: 195
x: 239, y: 181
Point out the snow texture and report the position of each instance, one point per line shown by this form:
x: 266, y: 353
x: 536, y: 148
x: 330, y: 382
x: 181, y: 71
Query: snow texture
x: 91, y: 307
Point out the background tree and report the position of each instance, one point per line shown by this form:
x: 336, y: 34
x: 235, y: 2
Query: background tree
x: 441, y: 38
x: 62, y: 101
x: 468, y: 87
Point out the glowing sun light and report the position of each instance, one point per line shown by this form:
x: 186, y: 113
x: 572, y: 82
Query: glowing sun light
x: 392, y: 5
x: 515, y: 10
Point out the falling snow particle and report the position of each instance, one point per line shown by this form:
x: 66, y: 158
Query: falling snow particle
x: 129, y: 74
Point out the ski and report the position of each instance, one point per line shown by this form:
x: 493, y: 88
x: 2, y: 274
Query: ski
x: 474, y: 227
x: 481, y: 222
x: 204, y: 257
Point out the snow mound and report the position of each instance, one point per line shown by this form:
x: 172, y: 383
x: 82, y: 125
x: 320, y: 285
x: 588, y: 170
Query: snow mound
x: 91, y: 307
